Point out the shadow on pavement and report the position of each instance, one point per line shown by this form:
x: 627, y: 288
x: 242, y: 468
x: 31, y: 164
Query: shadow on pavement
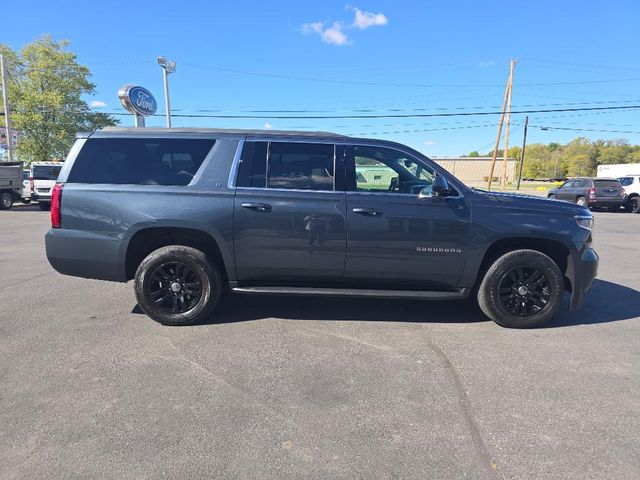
x: 606, y: 302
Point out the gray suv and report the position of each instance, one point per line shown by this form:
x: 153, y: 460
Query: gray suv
x: 191, y: 214
x: 591, y: 192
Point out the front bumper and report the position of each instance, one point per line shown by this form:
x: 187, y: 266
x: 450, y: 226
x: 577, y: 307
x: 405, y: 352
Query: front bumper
x: 36, y: 197
x: 581, y: 271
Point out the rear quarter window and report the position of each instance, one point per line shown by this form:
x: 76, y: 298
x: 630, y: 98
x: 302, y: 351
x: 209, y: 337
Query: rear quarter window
x: 139, y: 161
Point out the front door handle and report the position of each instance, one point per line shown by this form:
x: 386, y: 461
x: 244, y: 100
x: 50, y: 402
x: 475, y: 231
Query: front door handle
x: 368, y: 212
x: 258, y: 207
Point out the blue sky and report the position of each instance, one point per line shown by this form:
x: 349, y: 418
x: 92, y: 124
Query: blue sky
x: 367, y: 57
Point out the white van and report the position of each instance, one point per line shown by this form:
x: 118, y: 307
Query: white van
x: 43, y: 178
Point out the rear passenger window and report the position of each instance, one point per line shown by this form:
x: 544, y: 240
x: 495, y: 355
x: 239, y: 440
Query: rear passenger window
x: 301, y: 166
x: 252, y: 171
x: 139, y: 161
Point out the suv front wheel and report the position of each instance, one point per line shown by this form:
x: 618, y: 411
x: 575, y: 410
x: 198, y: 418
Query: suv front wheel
x: 522, y: 289
x: 177, y: 285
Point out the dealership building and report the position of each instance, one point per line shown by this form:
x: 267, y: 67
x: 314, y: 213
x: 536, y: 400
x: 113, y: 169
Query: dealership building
x: 474, y: 171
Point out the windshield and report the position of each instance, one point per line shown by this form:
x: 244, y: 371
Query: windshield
x: 625, y: 181
x: 46, y: 172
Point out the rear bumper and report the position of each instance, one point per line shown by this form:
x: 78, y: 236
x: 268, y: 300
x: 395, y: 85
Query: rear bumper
x: 607, y: 202
x: 82, y: 254
x: 581, y: 273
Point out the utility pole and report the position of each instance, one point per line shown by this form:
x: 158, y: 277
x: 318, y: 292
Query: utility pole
x: 504, y: 108
x: 505, y: 153
x: 167, y: 68
x: 524, y: 145
x: 5, y: 102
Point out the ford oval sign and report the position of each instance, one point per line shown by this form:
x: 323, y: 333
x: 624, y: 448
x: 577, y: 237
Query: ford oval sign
x: 137, y: 100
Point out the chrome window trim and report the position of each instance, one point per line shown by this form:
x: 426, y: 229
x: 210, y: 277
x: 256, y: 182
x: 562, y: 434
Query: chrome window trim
x: 404, y: 195
x: 233, y: 173
x: 289, y: 190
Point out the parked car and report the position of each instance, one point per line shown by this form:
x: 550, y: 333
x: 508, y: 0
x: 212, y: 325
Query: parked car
x: 25, y: 194
x: 631, y: 185
x: 190, y: 214
x: 43, y: 178
x: 591, y: 192
x: 10, y: 183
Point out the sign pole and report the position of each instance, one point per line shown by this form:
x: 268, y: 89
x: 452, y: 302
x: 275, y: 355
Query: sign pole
x: 5, y: 102
x: 139, y: 121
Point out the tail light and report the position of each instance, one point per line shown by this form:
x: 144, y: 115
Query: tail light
x: 56, y: 204
x: 592, y: 192
x: 31, y: 184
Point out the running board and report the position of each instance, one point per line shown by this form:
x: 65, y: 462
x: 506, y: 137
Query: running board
x: 356, y: 292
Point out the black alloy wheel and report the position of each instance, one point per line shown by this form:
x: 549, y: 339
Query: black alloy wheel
x: 521, y: 289
x: 178, y: 285
x: 174, y: 287
x: 524, y: 291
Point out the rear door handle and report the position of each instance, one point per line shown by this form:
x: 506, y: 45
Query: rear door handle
x: 258, y: 207
x: 368, y: 212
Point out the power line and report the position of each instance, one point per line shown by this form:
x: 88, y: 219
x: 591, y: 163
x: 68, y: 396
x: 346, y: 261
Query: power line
x: 388, y: 84
x: 544, y: 127
x: 403, y: 115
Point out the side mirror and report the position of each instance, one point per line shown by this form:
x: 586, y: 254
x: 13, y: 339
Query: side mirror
x: 440, y: 186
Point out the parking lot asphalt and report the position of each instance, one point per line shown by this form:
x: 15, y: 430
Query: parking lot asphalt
x: 277, y: 388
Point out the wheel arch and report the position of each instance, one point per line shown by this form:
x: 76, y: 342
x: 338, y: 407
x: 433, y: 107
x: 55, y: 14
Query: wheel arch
x: 554, y: 249
x: 146, y: 240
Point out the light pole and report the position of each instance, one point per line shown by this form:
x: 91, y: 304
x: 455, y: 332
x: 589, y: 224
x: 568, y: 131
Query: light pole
x: 167, y: 68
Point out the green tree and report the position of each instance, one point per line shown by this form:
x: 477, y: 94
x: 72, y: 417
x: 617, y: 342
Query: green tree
x: 47, y: 105
x: 474, y: 154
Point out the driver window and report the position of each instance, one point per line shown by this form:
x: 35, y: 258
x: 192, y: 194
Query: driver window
x: 380, y: 170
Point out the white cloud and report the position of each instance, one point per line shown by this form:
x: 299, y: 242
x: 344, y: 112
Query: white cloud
x: 335, y: 35
x: 332, y: 35
x: 487, y: 64
x: 97, y: 104
x: 365, y: 20
x: 429, y: 143
x: 314, y: 27
x: 268, y: 126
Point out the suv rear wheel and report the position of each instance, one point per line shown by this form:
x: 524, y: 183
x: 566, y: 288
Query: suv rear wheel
x: 522, y: 289
x: 177, y: 285
x: 581, y: 201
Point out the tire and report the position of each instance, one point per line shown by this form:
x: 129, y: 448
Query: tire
x: 6, y: 200
x: 45, y: 206
x: 162, y: 269
x: 552, y: 196
x: 504, y: 308
x: 581, y: 201
x: 633, y: 205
